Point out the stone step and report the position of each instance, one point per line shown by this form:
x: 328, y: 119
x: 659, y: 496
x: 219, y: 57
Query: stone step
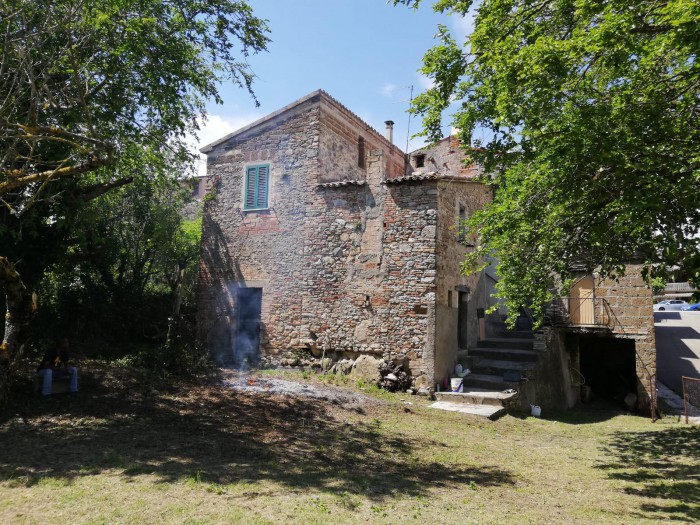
x: 499, y: 366
x: 510, y: 354
x: 489, y: 382
x: 505, y: 342
x: 491, y: 412
x: 478, y: 396
x: 514, y: 334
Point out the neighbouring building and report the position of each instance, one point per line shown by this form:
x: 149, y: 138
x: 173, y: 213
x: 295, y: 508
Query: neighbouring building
x: 323, y: 242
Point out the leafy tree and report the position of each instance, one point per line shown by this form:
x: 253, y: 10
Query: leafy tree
x: 88, y: 90
x: 589, y: 111
x: 132, y: 259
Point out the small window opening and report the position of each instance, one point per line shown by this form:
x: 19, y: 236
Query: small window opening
x: 361, y: 152
x: 461, y: 227
x: 420, y: 160
x: 449, y: 298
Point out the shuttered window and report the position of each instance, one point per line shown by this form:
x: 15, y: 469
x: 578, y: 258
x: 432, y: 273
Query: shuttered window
x: 257, y: 183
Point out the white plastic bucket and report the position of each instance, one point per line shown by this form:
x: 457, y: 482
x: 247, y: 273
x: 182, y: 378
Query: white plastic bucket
x: 535, y: 410
x: 456, y: 384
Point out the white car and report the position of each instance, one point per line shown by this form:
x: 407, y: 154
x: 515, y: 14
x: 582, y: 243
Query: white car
x: 672, y: 305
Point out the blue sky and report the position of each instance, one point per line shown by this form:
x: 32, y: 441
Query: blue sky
x: 365, y: 53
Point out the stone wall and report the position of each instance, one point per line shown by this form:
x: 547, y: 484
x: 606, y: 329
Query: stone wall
x: 265, y: 248
x: 339, y: 155
x: 445, y: 157
x: 346, y: 263
x: 470, y: 195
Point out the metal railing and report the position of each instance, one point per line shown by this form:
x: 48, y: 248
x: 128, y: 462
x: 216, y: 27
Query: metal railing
x: 581, y: 311
x: 691, y: 395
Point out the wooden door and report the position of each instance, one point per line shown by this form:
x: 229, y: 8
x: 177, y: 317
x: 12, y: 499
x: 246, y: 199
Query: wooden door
x: 581, y: 304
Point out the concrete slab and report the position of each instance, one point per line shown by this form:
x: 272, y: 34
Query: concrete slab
x: 477, y: 396
x: 676, y: 405
x: 491, y: 412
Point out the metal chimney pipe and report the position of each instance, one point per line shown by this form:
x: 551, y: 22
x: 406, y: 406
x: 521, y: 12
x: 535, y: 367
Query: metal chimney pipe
x: 389, y: 134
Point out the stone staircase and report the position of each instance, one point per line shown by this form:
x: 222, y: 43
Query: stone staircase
x: 486, y: 391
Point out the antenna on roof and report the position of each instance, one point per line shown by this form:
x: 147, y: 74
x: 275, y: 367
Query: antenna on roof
x: 408, y: 127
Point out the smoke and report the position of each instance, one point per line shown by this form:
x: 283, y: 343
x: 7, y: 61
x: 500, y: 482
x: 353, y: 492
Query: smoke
x: 235, y: 337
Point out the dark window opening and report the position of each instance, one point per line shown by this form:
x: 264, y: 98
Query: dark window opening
x: 361, y: 152
x: 449, y: 298
x: 608, y: 367
x: 420, y: 160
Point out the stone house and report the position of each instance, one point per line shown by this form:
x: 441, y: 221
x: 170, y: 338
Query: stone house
x: 324, y: 241
x: 322, y: 237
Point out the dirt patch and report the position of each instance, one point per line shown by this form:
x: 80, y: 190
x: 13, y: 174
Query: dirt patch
x: 255, y: 384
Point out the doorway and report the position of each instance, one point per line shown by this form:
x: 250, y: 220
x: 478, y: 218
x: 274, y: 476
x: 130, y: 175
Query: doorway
x: 462, y: 319
x: 608, y: 366
x: 247, y: 338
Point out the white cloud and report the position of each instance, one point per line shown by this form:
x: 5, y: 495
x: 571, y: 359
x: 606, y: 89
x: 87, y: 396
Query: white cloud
x: 389, y: 90
x: 213, y: 129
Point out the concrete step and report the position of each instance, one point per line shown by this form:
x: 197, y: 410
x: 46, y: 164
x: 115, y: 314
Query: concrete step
x: 499, y: 366
x: 510, y: 354
x: 489, y: 382
x: 488, y: 411
x: 478, y: 396
x: 506, y: 342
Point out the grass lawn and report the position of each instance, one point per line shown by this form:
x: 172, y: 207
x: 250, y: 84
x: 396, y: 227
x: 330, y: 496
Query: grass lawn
x: 131, y: 451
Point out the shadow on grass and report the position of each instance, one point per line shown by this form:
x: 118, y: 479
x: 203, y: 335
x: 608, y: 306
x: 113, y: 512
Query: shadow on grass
x: 212, y: 434
x: 664, y: 464
x: 597, y: 411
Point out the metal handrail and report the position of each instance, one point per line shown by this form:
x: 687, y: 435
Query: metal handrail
x: 580, y: 311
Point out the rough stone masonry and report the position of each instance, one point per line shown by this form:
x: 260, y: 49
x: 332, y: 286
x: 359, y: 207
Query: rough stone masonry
x: 356, y: 251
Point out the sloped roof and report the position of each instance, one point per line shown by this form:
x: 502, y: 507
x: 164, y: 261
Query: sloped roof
x: 417, y: 176
x: 341, y: 183
x: 313, y: 96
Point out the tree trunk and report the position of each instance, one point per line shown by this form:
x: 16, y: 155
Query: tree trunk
x: 19, y: 313
x: 180, y: 274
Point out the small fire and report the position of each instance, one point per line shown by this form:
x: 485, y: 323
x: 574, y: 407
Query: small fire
x: 251, y: 382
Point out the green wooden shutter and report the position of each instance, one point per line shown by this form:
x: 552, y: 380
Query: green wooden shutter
x: 263, y: 179
x: 257, y: 183
x: 250, y: 179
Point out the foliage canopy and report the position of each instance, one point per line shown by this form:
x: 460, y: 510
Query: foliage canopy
x: 95, y: 94
x: 589, y: 110
x: 84, y: 81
